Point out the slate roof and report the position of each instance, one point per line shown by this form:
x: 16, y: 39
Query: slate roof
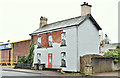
x: 66, y: 23
x: 109, y: 46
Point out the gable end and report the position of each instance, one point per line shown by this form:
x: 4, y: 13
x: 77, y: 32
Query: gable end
x: 94, y: 22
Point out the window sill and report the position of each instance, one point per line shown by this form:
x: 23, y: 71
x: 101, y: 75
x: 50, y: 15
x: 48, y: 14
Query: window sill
x: 62, y: 66
x: 39, y: 47
x: 63, y: 45
x: 44, y: 47
x: 49, y: 46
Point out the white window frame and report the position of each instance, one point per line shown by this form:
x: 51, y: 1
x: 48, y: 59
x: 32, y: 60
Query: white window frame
x: 39, y: 42
x: 63, y: 39
x: 63, y: 59
x: 50, y: 40
x: 39, y: 57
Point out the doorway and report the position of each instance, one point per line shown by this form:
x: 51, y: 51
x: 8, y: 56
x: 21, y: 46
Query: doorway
x: 49, y: 60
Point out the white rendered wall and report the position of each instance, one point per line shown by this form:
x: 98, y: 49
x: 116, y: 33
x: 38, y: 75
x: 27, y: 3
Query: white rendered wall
x: 88, y: 39
x: 88, y: 43
x: 70, y: 49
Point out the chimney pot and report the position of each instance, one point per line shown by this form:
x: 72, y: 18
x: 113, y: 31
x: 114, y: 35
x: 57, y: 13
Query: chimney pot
x: 84, y: 2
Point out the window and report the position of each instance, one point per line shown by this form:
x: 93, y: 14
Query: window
x: 50, y: 40
x: 39, y: 42
x: 39, y: 58
x: 50, y: 59
x: 63, y: 39
x: 63, y: 59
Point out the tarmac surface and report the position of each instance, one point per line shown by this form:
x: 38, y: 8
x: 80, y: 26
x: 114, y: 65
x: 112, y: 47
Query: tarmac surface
x: 24, y: 73
x: 28, y: 72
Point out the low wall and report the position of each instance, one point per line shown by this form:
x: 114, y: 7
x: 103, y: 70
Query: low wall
x: 86, y: 64
x: 23, y: 66
x: 102, y: 64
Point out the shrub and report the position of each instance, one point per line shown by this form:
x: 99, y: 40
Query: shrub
x: 115, y: 54
x: 118, y: 47
x: 23, y: 59
x: 28, y: 59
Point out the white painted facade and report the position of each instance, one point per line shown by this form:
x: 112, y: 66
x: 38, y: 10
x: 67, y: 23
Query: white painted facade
x: 88, y: 40
x: 80, y: 40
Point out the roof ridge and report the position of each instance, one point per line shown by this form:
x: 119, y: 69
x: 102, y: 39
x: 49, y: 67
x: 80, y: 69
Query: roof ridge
x: 63, y: 20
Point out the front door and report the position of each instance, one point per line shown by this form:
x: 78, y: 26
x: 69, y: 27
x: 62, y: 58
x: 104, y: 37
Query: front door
x: 49, y: 60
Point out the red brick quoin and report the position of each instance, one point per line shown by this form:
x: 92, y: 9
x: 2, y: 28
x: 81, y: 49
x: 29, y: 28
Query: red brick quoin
x: 56, y: 36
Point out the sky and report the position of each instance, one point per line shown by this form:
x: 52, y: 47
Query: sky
x: 19, y: 18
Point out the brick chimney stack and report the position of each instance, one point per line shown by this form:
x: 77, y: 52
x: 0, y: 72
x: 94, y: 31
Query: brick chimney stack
x: 43, y: 21
x: 85, y: 9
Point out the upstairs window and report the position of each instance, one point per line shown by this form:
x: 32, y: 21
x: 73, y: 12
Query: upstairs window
x: 50, y: 40
x: 63, y: 59
x: 39, y: 42
x: 63, y: 39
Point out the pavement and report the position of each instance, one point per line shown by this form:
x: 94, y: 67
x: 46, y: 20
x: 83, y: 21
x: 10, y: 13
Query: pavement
x: 115, y: 73
x: 43, y: 72
x: 15, y: 73
x: 55, y: 73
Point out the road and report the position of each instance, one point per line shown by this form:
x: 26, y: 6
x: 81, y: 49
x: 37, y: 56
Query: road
x: 30, y: 74
x: 27, y: 72
x: 14, y: 73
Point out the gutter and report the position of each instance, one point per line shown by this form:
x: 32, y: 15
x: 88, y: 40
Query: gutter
x: 53, y: 29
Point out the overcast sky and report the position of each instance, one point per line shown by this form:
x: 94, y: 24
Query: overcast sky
x: 19, y: 18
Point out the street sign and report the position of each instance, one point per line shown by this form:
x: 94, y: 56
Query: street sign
x: 6, y: 46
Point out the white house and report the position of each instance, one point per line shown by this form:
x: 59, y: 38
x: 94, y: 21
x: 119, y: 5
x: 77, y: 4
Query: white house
x: 59, y: 45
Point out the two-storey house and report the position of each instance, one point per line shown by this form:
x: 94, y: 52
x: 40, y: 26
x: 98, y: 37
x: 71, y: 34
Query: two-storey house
x: 60, y: 44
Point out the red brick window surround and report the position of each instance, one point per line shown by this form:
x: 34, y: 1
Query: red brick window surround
x: 47, y: 39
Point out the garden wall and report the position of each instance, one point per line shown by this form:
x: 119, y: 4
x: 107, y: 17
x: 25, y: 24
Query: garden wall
x: 102, y: 64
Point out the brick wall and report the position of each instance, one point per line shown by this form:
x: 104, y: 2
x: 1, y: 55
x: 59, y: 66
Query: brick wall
x: 21, y: 48
x: 44, y: 38
x: 56, y: 36
x: 5, y: 55
x: 35, y: 39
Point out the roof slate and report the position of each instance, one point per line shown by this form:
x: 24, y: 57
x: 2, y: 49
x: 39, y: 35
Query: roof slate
x: 64, y: 23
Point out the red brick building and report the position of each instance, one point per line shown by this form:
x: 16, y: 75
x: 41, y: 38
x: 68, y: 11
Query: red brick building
x: 10, y: 51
